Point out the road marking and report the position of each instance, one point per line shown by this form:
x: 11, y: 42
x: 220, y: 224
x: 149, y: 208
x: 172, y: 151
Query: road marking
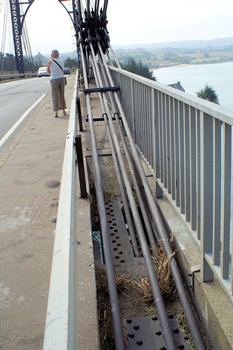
x: 19, y: 121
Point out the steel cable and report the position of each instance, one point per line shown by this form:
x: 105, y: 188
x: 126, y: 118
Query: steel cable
x: 119, y: 177
x: 161, y: 229
x: 146, y: 253
x: 119, y: 341
x: 131, y: 168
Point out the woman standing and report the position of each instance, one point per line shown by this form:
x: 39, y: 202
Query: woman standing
x: 55, y: 67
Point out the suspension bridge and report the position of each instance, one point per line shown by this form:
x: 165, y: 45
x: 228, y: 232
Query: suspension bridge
x: 150, y: 163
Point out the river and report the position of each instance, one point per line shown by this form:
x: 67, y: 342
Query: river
x: 195, y: 77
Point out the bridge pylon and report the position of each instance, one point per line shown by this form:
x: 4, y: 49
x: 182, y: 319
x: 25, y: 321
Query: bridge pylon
x: 19, y: 9
x: 18, y: 13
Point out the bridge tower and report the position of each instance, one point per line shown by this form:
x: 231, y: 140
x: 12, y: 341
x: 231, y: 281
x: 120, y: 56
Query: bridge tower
x: 18, y: 14
x: 19, y: 9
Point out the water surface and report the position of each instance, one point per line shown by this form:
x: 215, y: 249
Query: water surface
x: 195, y: 77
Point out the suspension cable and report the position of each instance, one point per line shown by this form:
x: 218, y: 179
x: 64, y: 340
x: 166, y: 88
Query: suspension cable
x: 5, y: 25
x: 105, y: 7
x: 119, y: 340
x: 160, y: 227
x: 146, y: 253
x: 118, y: 174
x: 131, y: 168
x: 27, y: 46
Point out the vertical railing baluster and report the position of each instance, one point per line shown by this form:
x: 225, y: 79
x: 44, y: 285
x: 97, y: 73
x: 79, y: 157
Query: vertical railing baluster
x: 226, y: 214
x: 187, y: 160
x: 157, y: 136
x: 142, y: 114
x: 168, y: 139
x: 164, y: 121
x: 132, y: 107
x: 153, y: 130
x: 137, y: 112
x: 161, y: 138
x: 149, y: 126
x: 172, y: 147
x: 217, y: 192
x: 142, y: 117
x: 177, y: 153
x: 147, y: 123
x: 206, y: 193
x: 181, y: 157
x: 198, y: 116
x: 193, y: 168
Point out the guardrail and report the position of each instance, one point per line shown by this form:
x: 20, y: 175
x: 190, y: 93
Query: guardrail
x: 61, y: 316
x: 188, y: 143
x: 14, y: 76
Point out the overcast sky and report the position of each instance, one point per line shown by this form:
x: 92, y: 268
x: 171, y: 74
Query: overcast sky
x: 168, y: 20
x: 133, y: 22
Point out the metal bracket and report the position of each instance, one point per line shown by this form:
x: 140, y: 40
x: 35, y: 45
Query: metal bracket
x: 79, y: 152
x: 101, y: 89
x: 97, y: 119
x: 78, y: 104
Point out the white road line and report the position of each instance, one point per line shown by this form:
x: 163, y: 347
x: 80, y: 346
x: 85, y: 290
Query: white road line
x: 19, y: 121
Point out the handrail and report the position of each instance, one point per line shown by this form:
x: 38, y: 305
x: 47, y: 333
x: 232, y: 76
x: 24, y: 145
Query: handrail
x: 60, y: 312
x: 12, y: 76
x: 188, y: 143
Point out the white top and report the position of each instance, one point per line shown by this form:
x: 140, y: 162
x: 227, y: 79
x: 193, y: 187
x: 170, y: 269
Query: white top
x: 56, y: 71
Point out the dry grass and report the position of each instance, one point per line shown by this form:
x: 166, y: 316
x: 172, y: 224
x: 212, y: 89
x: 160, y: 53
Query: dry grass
x: 104, y: 311
x: 135, y: 292
x: 164, y: 277
x: 141, y: 283
x: 163, y: 272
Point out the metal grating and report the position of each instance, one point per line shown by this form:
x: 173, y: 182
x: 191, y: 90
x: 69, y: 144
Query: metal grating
x: 122, y: 251
x: 145, y: 333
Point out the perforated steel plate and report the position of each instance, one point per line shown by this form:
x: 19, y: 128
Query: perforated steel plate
x: 121, y: 246
x: 145, y: 333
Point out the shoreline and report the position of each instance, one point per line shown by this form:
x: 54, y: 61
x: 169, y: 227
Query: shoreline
x: 175, y: 65
x: 191, y: 64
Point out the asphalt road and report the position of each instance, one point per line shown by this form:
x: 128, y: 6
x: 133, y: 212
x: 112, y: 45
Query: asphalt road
x: 28, y: 210
x: 18, y: 99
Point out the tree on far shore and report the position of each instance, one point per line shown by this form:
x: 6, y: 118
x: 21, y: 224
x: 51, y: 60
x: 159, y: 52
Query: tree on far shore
x: 208, y: 94
x: 138, y: 68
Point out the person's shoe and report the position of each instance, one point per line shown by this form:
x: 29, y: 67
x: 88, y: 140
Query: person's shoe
x: 56, y: 116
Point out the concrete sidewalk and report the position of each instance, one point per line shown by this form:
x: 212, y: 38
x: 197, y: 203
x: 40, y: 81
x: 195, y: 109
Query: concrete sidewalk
x: 29, y: 193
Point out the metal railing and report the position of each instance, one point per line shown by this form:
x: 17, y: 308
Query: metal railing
x: 188, y: 143
x: 7, y: 76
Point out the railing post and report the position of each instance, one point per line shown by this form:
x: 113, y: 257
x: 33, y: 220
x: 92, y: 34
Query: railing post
x: 78, y: 145
x: 168, y: 143
x: 226, y: 207
x: 172, y: 147
x: 198, y: 150
x: 187, y: 161
x: 206, y: 194
x: 132, y: 108
x: 217, y: 193
x: 193, y: 168
x: 177, y: 152
x: 79, y: 114
x: 181, y: 157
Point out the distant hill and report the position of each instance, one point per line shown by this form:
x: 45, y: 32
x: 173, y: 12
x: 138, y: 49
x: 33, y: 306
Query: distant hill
x: 189, y: 44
